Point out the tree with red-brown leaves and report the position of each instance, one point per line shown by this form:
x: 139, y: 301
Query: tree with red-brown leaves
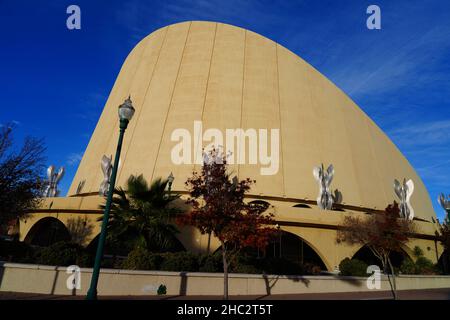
x: 383, y: 233
x: 444, y: 238
x: 218, y: 208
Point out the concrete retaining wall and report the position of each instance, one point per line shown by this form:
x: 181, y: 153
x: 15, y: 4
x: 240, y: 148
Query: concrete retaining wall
x: 52, y: 280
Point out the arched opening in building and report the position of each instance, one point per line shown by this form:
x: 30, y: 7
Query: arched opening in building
x: 301, y: 205
x: 46, y: 232
x: 366, y: 255
x: 289, y: 246
x: 294, y: 254
x: 260, y: 203
x: 444, y: 262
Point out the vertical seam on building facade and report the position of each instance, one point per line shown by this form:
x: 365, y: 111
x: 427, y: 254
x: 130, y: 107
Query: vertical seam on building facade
x: 279, y: 115
x: 144, y: 98
x: 170, y: 102
x: 242, y: 99
x: 116, y: 123
x: 206, y: 89
x: 376, y: 160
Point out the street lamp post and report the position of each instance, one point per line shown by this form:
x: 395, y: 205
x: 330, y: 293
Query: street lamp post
x: 126, y: 112
x: 445, y: 204
x: 170, y: 179
x: 279, y: 239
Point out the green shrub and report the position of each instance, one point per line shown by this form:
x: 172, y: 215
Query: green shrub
x: 245, y: 264
x: 353, y: 267
x: 141, y: 259
x: 210, y: 263
x: 408, y: 267
x: 443, y: 266
x: 281, y: 266
x: 311, y: 269
x: 85, y: 260
x: 417, y: 252
x: 246, y: 268
x: 162, y: 289
x: 421, y: 266
x: 180, y: 261
x: 63, y: 254
x: 425, y: 266
x: 16, y: 251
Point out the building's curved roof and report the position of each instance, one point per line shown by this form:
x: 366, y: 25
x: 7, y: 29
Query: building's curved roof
x: 229, y: 77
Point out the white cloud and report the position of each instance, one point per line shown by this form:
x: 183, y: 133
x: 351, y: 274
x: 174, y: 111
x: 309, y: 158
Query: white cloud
x: 426, y: 146
x: 423, y: 134
x: 402, y: 60
x: 140, y: 17
x: 74, y: 158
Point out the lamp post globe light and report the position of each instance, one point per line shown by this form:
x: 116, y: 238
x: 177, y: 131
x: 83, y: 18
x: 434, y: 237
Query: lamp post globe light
x: 279, y: 238
x: 126, y: 112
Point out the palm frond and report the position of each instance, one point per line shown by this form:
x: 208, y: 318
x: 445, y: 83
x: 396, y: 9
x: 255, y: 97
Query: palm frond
x: 143, y: 213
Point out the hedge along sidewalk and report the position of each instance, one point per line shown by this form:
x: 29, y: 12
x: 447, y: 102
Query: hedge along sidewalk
x: 15, y: 277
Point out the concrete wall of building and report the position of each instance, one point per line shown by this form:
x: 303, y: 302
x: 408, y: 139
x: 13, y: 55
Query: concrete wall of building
x: 53, y: 280
x: 66, y: 210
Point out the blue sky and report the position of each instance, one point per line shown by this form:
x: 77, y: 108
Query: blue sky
x: 54, y: 82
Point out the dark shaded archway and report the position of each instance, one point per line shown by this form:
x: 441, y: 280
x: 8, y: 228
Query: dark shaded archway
x: 444, y: 262
x: 366, y: 255
x: 47, y: 231
x: 261, y: 203
x: 302, y: 205
x: 289, y: 246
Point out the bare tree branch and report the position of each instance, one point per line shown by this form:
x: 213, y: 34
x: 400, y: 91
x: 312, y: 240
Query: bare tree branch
x: 21, y: 175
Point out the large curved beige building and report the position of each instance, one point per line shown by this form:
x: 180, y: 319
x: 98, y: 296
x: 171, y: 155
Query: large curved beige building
x: 228, y: 77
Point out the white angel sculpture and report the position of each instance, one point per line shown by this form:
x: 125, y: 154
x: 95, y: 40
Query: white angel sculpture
x: 53, y: 178
x: 106, y: 169
x: 404, y: 192
x: 324, y: 178
x: 444, y: 202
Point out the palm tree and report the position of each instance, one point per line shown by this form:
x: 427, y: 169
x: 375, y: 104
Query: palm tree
x: 141, y: 216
